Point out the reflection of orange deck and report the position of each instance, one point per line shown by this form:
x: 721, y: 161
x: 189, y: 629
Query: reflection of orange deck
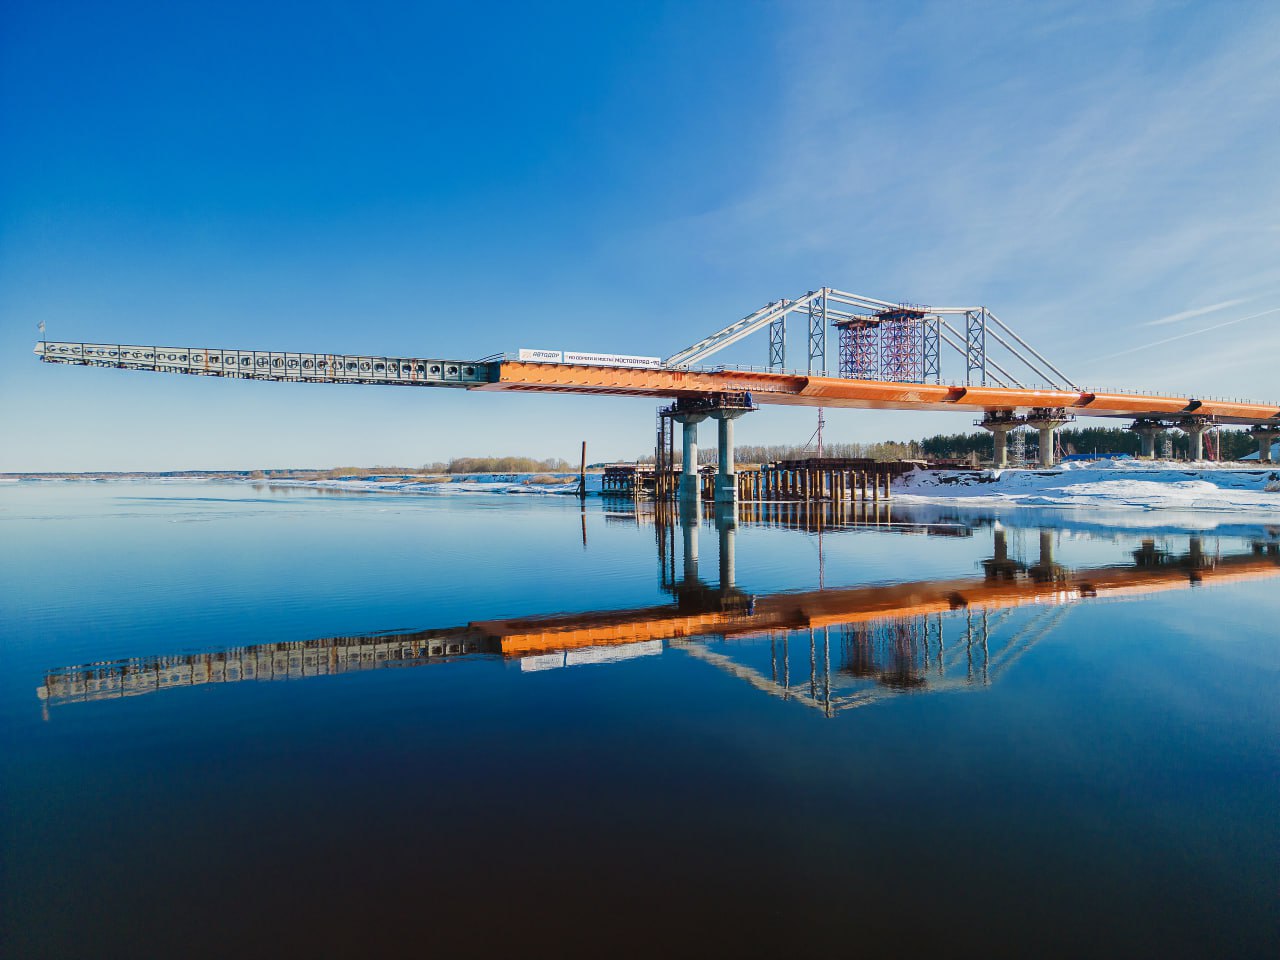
x: 824, y: 608
x: 841, y: 392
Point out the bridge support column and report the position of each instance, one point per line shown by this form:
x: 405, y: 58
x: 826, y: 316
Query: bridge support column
x: 1148, y: 430
x: 1047, y: 569
x: 690, y: 517
x: 1047, y: 422
x: 726, y: 488
x: 1195, y: 428
x: 1266, y: 436
x: 999, y: 423
x: 688, y: 490
x: 999, y: 566
x: 726, y: 526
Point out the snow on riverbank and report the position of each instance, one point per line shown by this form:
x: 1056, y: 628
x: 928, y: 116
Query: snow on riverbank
x: 1147, y: 485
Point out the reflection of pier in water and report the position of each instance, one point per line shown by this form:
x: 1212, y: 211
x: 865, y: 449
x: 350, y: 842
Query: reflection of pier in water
x: 831, y: 649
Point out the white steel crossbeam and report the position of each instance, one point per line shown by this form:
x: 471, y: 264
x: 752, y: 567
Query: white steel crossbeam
x: 736, y: 331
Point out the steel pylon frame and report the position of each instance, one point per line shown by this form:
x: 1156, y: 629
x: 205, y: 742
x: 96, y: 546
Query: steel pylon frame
x: 778, y: 343
x: 975, y: 346
x: 931, y: 350
x: 910, y: 336
x: 818, y: 333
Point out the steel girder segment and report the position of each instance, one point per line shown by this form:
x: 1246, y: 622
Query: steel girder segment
x: 283, y: 366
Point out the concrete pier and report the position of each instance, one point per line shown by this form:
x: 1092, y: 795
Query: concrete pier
x: 1046, y: 569
x: 1266, y: 436
x: 1047, y: 422
x: 1195, y: 429
x: 688, y: 489
x: 726, y: 489
x: 999, y: 566
x: 999, y: 423
x: 1148, y: 430
x: 727, y: 527
x: 690, y: 518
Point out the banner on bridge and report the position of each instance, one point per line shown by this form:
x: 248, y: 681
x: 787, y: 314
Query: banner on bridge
x: 593, y: 359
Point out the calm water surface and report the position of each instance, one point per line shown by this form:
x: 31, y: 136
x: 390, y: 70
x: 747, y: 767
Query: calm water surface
x: 245, y: 720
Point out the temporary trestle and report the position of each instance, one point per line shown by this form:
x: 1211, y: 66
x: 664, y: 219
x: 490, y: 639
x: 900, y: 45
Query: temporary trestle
x: 835, y: 479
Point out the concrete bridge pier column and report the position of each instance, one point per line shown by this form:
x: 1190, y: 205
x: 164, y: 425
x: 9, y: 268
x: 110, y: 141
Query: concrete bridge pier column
x: 1047, y: 422
x: 690, y: 517
x: 726, y: 486
x: 1266, y: 436
x: 1047, y: 569
x: 726, y: 526
x: 999, y: 423
x: 1194, y: 428
x: 688, y: 489
x: 1147, y: 430
x: 999, y: 566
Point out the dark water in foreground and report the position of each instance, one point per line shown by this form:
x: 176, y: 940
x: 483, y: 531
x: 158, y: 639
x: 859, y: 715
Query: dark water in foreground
x: 250, y: 722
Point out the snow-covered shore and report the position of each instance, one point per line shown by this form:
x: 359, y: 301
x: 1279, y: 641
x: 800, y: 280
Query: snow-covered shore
x: 1147, y: 485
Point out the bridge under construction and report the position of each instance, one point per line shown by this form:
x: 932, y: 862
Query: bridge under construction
x: 891, y: 356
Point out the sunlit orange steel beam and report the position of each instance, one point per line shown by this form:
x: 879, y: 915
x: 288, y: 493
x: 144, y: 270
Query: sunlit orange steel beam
x: 795, y: 389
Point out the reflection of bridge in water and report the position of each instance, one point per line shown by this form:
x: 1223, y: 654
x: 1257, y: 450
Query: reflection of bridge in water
x: 830, y: 649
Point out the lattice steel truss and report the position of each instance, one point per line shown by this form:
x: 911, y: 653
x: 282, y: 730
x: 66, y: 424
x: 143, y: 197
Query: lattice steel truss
x: 1018, y: 448
x: 901, y: 342
x: 271, y: 365
x: 931, y: 350
x: 975, y: 346
x: 818, y: 334
x: 778, y: 344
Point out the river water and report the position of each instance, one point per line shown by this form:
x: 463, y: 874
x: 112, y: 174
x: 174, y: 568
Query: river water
x: 259, y: 721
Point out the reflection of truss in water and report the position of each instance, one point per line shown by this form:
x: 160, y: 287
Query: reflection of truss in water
x: 886, y: 658
x: 875, y: 641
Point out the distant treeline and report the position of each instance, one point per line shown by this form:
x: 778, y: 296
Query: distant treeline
x: 500, y: 465
x: 456, y: 465
x: 463, y: 465
x: 964, y: 446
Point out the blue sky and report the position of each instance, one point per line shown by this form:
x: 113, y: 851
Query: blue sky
x: 458, y: 180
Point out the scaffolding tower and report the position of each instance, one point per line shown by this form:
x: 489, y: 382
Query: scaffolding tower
x: 900, y: 344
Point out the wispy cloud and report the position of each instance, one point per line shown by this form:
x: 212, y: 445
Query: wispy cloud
x: 1197, y: 312
x: 1075, y: 185
x: 1184, y: 336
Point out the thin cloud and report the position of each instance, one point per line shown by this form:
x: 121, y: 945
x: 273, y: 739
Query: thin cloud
x: 1197, y: 312
x: 1183, y: 336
